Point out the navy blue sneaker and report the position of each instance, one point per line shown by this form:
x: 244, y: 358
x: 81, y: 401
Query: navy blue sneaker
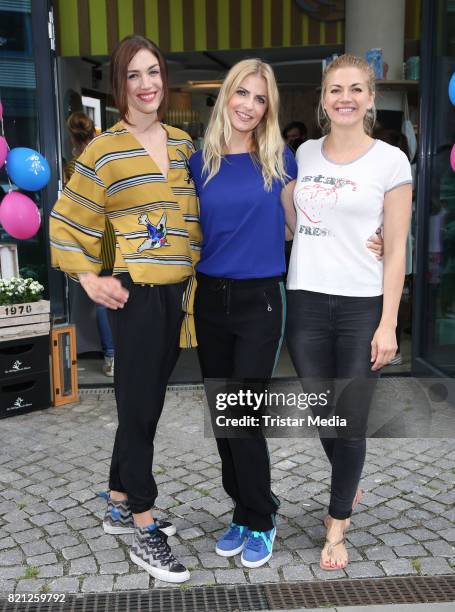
x: 233, y: 541
x: 258, y: 548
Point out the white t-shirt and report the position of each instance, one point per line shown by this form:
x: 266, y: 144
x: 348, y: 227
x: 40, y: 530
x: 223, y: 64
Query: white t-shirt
x: 339, y: 206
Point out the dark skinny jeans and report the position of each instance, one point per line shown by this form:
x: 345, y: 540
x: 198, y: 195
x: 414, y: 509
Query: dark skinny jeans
x: 329, y: 337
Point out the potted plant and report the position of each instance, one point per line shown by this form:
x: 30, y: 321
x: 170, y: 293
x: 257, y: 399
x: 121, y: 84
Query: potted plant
x: 22, y: 311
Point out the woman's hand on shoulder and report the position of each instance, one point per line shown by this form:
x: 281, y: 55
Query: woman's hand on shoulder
x: 383, y: 346
x: 105, y: 290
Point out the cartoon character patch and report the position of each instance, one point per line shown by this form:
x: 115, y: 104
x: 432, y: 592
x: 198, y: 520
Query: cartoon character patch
x: 156, y: 234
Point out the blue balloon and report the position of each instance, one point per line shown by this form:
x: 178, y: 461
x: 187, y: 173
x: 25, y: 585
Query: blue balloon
x: 452, y: 89
x: 27, y: 168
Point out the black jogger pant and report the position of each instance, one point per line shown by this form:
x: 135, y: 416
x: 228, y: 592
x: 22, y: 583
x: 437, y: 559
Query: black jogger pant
x: 239, y: 326
x: 146, y: 336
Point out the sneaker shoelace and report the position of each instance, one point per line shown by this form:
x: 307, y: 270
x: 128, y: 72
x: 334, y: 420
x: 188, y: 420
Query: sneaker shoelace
x: 255, y: 540
x: 161, y: 549
x: 234, y: 532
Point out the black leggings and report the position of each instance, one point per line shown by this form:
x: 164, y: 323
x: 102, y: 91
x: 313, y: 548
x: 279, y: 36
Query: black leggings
x: 329, y: 337
x: 239, y: 327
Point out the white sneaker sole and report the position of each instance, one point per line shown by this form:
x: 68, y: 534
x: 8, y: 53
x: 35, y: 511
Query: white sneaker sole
x: 117, y: 530
x: 169, y: 531
x: 229, y: 553
x: 253, y: 564
x: 158, y: 573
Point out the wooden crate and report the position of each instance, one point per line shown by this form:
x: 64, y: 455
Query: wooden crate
x: 24, y: 394
x: 24, y: 320
x: 24, y: 357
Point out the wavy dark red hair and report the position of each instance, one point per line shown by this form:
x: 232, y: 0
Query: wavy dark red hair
x: 120, y: 59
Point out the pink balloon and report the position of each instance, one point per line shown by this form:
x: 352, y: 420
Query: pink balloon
x: 452, y: 158
x: 19, y: 215
x: 3, y: 150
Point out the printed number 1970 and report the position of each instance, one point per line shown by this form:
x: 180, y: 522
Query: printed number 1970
x: 17, y: 310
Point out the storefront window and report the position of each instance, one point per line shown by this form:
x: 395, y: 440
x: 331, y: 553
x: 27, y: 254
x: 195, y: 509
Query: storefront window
x: 439, y: 347
x: 20, y: 117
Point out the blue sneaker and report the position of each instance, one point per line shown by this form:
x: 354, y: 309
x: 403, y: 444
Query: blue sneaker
x: 233, y: 541
x: 258, y: 548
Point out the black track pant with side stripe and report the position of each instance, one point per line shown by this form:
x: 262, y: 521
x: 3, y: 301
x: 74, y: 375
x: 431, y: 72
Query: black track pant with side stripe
x: 239, y: 327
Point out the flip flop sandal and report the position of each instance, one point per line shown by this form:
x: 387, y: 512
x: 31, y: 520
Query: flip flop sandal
x: 330, y: 547
x: 355, y: 503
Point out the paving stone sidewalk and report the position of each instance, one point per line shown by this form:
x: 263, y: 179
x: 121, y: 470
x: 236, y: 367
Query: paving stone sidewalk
x: 53, y: 464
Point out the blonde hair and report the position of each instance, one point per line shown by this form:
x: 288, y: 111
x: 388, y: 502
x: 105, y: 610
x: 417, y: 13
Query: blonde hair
x: 268, y: 145
x: 347, y: 61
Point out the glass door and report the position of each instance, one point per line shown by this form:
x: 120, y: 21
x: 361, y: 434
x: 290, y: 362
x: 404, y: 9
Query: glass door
x: 18, y: 95
x: 27, y: 83
x: 434, y: 321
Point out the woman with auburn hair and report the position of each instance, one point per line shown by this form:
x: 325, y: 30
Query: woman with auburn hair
x: 342, y: 301
x: 136, y: 175
x: 241, y: 175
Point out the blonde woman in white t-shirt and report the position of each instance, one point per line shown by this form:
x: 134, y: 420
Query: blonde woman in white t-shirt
x: 342, y: 300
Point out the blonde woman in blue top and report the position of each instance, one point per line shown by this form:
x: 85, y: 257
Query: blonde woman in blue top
x: 241, y: 176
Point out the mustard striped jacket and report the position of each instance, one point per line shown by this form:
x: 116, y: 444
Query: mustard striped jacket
x: 155, y: 219
x: 108, y: 241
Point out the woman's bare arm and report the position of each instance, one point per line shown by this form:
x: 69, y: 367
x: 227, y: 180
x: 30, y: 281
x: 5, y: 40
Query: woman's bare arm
x: 397, y: 216
x: 290, y: 215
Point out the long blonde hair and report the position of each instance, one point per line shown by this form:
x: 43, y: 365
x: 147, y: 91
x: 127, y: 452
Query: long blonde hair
x: 268, y: 145
x: 347, y: 61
